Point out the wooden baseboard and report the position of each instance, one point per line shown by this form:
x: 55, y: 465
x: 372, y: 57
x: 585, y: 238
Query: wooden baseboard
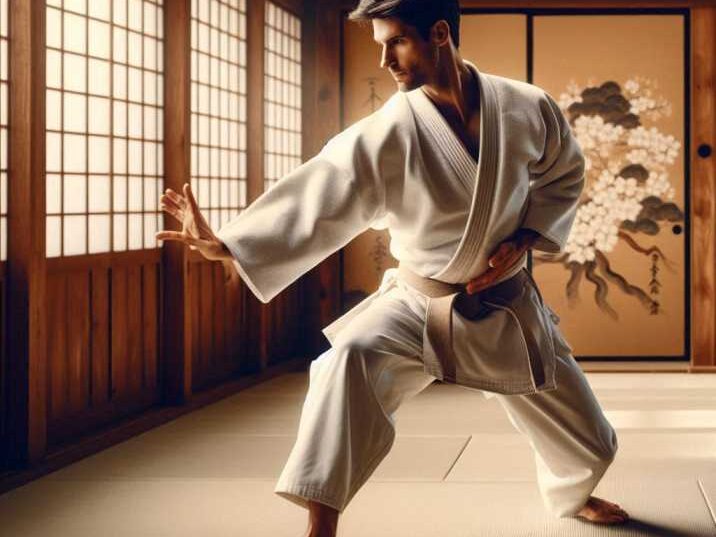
x: 67, y: 454
x: 702, y: 369
x: 634, y: 367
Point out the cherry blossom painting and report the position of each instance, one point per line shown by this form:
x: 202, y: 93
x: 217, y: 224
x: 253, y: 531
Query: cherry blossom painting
x: 628, y: 194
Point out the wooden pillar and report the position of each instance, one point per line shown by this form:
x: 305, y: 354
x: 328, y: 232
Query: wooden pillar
x: 257, y: 314
x: 703, y: 188
x: 176, y: 357
x: 321, y: 53
x: 26, y: 381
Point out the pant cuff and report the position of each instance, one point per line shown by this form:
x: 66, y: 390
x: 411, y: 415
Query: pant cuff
x: 301, y: 494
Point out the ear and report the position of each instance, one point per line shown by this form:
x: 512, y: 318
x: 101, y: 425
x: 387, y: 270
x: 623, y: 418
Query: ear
x: 440, y: 33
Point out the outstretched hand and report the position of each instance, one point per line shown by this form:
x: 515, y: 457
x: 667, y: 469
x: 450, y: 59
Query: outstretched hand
x: 196, y: 232
x: 503, y: 259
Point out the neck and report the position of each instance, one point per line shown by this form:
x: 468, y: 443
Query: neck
x: 453, y: 86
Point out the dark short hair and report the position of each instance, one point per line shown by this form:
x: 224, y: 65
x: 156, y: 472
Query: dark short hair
x: 422, y: 14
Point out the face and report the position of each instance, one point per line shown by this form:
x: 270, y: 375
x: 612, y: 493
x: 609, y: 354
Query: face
x: 405, y: 54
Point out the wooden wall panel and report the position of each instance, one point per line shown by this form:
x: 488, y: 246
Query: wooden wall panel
x: 56, y: 347
x: 150, y: 326
x: 102, y: 346
x: 100, y: 336
x: 77, y: 327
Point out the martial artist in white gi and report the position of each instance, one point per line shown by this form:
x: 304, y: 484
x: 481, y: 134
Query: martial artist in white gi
x: 467, y: 171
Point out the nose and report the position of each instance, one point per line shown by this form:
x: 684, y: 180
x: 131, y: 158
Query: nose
x: 386, y: 58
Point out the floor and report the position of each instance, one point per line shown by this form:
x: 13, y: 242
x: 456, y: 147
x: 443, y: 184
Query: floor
x: 457, y: 468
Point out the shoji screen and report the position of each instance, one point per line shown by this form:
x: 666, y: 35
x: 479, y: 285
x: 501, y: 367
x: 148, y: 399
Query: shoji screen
x: 104, y: 125
x: 282, y: 93
x: 218, y: 107
x: 3, y: 126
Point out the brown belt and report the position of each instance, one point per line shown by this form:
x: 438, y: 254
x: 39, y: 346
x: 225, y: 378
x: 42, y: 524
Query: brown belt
x: 445, y: 296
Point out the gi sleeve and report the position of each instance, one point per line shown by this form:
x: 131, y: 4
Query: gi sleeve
x: 556, y: 182
x: 303, y: 218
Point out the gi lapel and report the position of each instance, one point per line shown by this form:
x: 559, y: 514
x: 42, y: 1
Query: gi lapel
x: 450, y: 149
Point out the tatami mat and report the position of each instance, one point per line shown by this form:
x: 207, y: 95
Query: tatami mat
x: 457, y: 468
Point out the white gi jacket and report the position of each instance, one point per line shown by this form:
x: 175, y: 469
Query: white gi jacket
x: 403, y: 168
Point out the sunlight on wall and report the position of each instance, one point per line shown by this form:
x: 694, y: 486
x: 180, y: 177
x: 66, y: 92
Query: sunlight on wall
x: 282, y: 87
x: 104, y: 125
x: 218, y: 107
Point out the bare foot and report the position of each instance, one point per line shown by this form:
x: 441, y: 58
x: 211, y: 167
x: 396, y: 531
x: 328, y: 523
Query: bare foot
x: 603, y: 512
x: 322, y: 520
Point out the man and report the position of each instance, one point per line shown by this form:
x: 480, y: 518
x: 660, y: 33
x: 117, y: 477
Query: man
x: 467, y: 171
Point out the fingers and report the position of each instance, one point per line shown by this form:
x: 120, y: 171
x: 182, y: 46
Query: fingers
x: 190, y: 198
x: 178, y: 236
x: 176, y: 198
x: 173, y: 211
x: 503, y: 251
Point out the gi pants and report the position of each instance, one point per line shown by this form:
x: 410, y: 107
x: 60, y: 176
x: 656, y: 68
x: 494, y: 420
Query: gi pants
x: 347, y: 425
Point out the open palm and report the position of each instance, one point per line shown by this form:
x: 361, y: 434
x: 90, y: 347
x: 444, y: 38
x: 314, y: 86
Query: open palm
x: 195, y: 232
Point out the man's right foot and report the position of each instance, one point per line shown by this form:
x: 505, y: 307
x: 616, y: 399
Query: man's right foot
x: 603, y: 512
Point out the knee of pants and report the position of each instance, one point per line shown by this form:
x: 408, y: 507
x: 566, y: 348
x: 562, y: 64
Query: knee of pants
x: 609, y: 446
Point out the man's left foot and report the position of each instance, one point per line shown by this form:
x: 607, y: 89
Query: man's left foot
x: 603, y: 512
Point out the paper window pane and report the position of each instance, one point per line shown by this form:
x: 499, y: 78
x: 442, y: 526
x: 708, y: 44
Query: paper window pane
x: 150, y: 88
x: 150, y: 123
x: 74, y: 152
x: 53, y: 244
x: 53, y: 155
x: 75, y: 37
x: 135, y: 85
x: 150, y: 53
x: 119, y: 50
x: 75, y: 112
x: 74, y: 235
x: 98, y: 80
x: 120, y: 82
x: 54, y: 69
x: 53, y: 194
x: 135, y: 193
x: 151, y: 194
x: 135, y: 156
x: 119, y: 239
x: 99, y: 39
x: 79, y: 6
x: 75, y: 194
x: 3, y: 193
x: 135, y: 232
x: 134, y: 49
x: 150, y: 229
x: 99, y: 115
x: 150, y: 19
x: 3, y: 103
x: 74, y: 71
x: 119, y: 14
x: 120, y: 119
x: 100, y: 9
x: 134, y: 15
x: 119, y: 198
x: 150, y: 159
x: 120, y: 156
x: 54, y: 27
x: 99, y: 226
x: 134, y: 121
x: 98, y: 154
x: 99, y: 193
x: 53, y: 113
